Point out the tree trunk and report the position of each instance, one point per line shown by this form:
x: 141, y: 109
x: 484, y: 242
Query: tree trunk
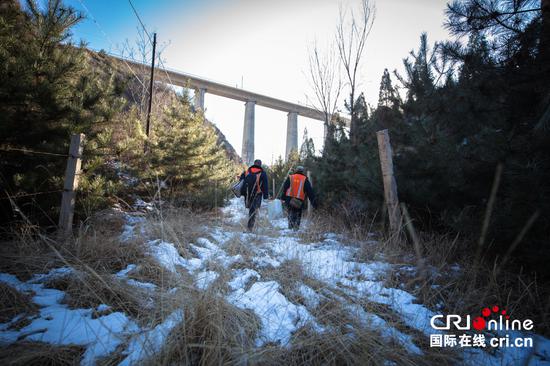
x: 353, y: 120
x: 545, y: 34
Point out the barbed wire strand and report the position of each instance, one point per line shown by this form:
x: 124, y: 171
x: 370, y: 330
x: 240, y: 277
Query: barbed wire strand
x: 34, y: 152
x: 30, y: 194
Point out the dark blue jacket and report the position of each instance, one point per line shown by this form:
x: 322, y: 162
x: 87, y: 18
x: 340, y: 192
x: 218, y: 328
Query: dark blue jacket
x: 247, y: 190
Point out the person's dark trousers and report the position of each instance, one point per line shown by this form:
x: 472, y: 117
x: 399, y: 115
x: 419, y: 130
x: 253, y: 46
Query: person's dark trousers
x: 253, y: 211
x: 294, y: 217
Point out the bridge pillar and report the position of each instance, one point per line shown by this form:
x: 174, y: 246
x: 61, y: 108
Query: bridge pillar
x: 248, y: 133
x: 291, y: 133
x: 198, y: 99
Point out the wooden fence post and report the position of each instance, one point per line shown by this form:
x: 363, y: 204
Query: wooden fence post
x: 72, y: 175
x: 390, y: 186
x: 309, y: 208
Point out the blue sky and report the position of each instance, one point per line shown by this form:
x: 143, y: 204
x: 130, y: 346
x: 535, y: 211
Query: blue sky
x: 117, y: 20
x: 261, y: 44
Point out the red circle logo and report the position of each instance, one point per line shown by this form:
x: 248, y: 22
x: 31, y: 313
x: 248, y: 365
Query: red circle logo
x: 479, y: 323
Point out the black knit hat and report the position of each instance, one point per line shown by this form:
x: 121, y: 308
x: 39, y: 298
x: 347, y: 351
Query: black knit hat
x: 258, y: 162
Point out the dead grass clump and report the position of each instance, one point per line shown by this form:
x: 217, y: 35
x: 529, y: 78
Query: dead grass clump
x: 444, y: 276
x: 101, y: 253
x: 334, y: 347
x: 180, y: 226
x: 213, y: 333
x: 40, y: 354
x: 289, y: 274
x: 236, y: 246
x: 149, y: 270
x: 86, y: 290
x: 108, y: 222
x: 354, y: 227
x: 26, y: 255
x: 13, y: 303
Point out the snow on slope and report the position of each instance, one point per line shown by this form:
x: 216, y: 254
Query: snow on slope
x: 250, y: 286
x: 57, y: 324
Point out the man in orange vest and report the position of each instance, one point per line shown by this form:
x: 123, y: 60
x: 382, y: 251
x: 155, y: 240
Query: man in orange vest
x: 295, y: 191
x: 254, y: 188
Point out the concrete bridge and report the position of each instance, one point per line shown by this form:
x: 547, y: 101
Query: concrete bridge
x: 251, y: 99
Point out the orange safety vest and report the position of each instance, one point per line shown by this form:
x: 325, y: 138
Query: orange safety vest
x: 297, y: 189
x: 258, y: 172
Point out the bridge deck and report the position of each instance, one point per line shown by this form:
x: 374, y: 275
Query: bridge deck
x: 195, y: 82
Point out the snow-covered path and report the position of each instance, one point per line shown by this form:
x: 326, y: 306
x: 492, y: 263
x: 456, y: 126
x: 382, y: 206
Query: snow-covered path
x: 288, y: 282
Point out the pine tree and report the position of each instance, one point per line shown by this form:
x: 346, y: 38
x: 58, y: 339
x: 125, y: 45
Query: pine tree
x: 307, y: 150
x: 184, y: 152
x: 48, y: 91
x: 388, y: 96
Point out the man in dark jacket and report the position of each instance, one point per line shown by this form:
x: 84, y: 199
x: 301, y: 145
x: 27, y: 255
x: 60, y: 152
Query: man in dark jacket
x: 254, y: 188
x: 296, y: 190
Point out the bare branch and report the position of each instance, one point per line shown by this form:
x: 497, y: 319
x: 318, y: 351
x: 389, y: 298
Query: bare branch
x: 351, y: 39
x: 325, y: 80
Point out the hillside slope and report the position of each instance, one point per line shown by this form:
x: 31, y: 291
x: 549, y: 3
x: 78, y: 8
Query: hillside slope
x: 200, y: 290
x: 136, y: 92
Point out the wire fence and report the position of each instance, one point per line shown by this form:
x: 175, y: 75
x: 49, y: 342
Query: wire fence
x: 29, y: 151
x: 9, y: 196
x: 16, y: 196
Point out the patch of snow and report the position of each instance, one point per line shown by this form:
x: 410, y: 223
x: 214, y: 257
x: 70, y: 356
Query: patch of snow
x: 57, y: 324
x: 204, y: 279
x: 150, y: 342
x: 311, y: 298
x: 139, y: 284
x: 167, y: 255
x: 235, y: 211
x: 327, y: 263
x: 52, y: 274
x: 242, y: 277
x: 281, y: 224
x: 13, y: 281
x: 219, y: 235
x: 388, y: 332
x: 128, y: 229
x: 265, y: 261
x: 103, y: 307
x: 6, y: 326
x: 279, y: 317
x: 123, y: 273
x: 141, y: 204
x: 210, y: 251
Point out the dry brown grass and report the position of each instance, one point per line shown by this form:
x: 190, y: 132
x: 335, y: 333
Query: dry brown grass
x: 40, y: 354
x: 30, y: 254
x: 360, y: 347
x: 87, y: 290
x: 289, y: 275
x: 102, y: 253
x: 108, y: 222
x: 149, y: 270
x: 216, y: 332
x: 26, y: 255
x: 448, y: 278
x: 13, y: 303
x: 213, y: 333
x: 236, y: 246
x: 179, y: 226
